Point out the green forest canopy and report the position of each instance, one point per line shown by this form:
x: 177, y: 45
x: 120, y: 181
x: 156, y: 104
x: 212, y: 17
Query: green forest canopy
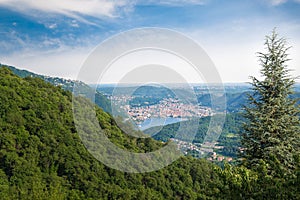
x: 42, y: 157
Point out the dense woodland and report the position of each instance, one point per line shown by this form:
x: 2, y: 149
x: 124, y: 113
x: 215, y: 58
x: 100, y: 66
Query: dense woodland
x: 42, y: 156
x: 65, y: 84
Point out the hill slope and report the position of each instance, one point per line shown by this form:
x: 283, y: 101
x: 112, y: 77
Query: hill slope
x: 42, y: 157
x: 66, y: 84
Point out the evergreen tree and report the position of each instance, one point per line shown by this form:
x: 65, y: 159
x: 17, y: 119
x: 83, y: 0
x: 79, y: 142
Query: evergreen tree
x: 271, y: 134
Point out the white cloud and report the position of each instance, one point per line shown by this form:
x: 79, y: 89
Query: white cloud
x: 64, y: 63
x: 52, y: 26
x: 79, y: 9
x: 277, y: 2
x: 233, y: 46
x: 74, y: 24
x: 72, y: 8
x: 172, y: 2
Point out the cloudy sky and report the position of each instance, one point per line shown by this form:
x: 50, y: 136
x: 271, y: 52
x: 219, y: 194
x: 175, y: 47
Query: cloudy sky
x: 55, y: 37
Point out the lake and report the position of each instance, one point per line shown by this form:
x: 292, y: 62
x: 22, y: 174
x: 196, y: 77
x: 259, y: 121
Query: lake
x: 152, y: 122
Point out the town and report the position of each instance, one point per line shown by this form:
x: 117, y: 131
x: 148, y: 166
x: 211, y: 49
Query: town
x: 166, y: 108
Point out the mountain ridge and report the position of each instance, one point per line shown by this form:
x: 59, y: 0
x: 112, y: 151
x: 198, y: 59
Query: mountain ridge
x: 66, y: 84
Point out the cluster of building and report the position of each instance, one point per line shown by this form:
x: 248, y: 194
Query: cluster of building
x: 186, y: 147
x: 120, y: 99
x: 203, y: 150
x: 168, y: 107
x: 215, y: 157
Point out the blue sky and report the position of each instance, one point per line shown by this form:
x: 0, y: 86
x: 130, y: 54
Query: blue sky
x: 54, y: 38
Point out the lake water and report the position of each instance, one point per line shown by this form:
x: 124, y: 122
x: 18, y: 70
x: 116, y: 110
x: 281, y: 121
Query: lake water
x: 152, y: 122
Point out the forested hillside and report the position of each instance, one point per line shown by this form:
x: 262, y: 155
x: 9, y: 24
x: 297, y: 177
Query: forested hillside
x: 42, y: 157
x: 65, y: 84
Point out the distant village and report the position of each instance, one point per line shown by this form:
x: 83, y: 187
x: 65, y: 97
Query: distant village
x: 207, y: 150
x: 168, y: 107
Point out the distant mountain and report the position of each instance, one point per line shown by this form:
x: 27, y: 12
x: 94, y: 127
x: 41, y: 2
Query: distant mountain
x: 235, y: 94
x: 235, y: 101
x: 66, y: 84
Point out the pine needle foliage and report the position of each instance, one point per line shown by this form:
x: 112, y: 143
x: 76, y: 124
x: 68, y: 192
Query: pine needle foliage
x: 272, y: 130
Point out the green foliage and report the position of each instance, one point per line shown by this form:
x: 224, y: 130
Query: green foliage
x: 272, y: 132
x: 238, y: 182
x: 42, y: 157
x: 229, y: 138
x: 68, y: 85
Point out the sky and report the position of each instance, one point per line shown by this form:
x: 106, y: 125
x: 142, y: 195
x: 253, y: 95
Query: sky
x: 56, y: 37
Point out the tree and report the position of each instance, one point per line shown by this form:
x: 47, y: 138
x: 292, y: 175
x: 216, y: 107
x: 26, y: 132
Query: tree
x: 271, y: 132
